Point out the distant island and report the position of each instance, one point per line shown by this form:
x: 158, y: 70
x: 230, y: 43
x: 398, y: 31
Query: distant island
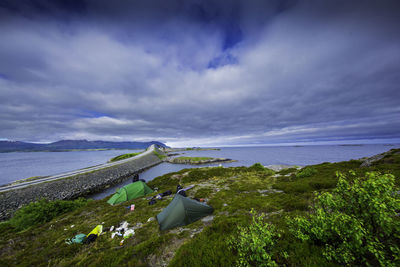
x: 191, y: 149
x: 70, y: 145
x: 198, y: 160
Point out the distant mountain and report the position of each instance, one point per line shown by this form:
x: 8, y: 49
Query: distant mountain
x: 12, y: 146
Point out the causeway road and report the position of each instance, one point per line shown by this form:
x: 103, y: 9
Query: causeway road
x: 148, y: 151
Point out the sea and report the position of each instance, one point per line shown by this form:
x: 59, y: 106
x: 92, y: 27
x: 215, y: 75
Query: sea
x: 20, y: 165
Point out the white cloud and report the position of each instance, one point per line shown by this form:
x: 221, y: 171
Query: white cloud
x: 308, y: 72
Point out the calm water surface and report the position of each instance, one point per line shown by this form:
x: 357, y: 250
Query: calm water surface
x: 246, y: 156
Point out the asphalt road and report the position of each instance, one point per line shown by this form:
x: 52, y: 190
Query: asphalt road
x: 149, y: 150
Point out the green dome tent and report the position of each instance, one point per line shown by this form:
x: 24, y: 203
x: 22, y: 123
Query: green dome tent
x: 182, y: 211
x: 130, y: 191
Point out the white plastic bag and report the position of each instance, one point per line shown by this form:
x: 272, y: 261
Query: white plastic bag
x: 129, y: 233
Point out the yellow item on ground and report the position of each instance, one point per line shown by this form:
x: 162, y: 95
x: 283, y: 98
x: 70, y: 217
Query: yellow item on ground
x: 97, y: 230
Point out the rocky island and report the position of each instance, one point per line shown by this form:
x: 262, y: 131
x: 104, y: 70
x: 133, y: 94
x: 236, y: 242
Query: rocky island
x: 198, y: 160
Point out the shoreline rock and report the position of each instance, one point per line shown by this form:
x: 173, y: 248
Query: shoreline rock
x: 279, y: 167
x: 368, y: 161
x: 199, y: 162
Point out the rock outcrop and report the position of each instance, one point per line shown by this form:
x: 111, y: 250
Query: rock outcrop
x: 368, y: 161
x: 198, y: 162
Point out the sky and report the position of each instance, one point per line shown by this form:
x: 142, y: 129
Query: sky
x: 200, y: 72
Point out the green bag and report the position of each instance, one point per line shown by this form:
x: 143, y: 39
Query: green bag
x: 78, y: 239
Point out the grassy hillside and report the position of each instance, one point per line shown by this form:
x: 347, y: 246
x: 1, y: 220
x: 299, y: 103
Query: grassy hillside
x: 275, y: 198
x: 124, y: 156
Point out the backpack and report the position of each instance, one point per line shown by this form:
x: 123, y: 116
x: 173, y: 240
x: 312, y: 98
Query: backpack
x: 90, y: 239
x: 78, y: 239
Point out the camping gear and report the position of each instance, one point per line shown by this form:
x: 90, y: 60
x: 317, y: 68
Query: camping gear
x: 166, y: 193
x: 97, y: 230
x: 125, y: 225
x: 187, y: 188
x: 182, y: 191
x: 178, y: 187
x: 129, y: 233
x: 93, y: 234
x: 130, y: 191
x: 123, y: 230
x: 182, y: 211
x: 90, y: 239
x: 135, y: 178
x: 132, y: 207
x: 78, y: 239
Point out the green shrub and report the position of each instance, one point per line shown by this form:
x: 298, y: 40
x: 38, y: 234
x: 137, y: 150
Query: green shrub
x: 306, y: 172
x: 257, y: 167
x: 324, y: 184
x: 356, y: 223
x: 43, y: 211
x: 254, y: 243
x: 293, y: 187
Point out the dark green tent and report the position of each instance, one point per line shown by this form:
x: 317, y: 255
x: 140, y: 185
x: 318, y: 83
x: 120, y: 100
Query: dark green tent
x: 182, y: 211
x: 130, y: 191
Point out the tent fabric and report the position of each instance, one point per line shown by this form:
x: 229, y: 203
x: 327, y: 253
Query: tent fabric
x: 182, y: 211
x: 130, y: 191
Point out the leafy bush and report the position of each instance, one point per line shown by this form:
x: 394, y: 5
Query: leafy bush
x: 43, y: 211
x: 257, y: 167
x: 356, y: 223
x: 255, y: 242
x: 306, y: 172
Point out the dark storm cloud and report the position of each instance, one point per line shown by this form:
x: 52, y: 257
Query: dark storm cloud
x: 200, y: 72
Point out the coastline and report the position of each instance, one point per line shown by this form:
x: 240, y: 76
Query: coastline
x: 72, y: 187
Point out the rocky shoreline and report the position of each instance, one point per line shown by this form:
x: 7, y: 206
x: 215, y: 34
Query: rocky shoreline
x: 187, y: 160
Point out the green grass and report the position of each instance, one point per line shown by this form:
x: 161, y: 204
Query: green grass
x: 232, y: 192
x: 159, y: 155
x: 33, y: 178
x: 124, y: 156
